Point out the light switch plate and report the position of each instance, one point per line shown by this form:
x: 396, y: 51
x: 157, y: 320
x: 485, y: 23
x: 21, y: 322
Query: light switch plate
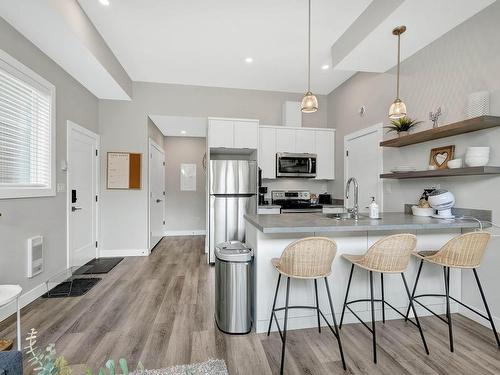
x: 61, y: 187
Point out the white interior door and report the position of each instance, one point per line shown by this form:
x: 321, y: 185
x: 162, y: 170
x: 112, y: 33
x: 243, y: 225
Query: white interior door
x: 156, y: 194
x: 83, y: 164
x: 363, y: 160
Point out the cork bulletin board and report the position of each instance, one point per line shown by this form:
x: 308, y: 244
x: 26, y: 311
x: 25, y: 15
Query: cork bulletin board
x: 123, y: 170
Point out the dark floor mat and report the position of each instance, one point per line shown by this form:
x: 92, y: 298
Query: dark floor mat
x: 72, y: 288
x: 97, y: 266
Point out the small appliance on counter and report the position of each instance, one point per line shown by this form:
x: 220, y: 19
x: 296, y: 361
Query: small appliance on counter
x: 442, y: 200
x: 294, y: 201
x: 262, y: 194
x: 325, y: 198
x: 423, y: 208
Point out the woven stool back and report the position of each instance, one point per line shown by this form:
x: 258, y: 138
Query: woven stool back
x: 390, y: 254
x: 464, y: 251
x: 308, y: 258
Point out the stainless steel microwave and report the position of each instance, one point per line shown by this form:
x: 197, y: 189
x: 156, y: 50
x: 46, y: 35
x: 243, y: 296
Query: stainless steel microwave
x: 295, y: 165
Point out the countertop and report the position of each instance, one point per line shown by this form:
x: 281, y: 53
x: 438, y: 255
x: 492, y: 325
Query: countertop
x: 270, y: 206
x: 317, y: 222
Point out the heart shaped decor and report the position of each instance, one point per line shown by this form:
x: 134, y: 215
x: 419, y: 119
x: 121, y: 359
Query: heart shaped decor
x: 441, y: 158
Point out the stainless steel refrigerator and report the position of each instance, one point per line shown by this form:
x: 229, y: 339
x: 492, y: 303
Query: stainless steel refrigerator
x: 233, y: 192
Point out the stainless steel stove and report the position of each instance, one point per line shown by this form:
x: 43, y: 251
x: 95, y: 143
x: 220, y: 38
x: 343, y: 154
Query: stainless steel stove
x: 293, y: 201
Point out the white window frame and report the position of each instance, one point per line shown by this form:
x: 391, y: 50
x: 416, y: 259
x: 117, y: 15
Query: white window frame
x: 25, y: 74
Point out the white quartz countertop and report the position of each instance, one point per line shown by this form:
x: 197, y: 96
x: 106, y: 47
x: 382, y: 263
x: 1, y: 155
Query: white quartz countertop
x: 317, y: 222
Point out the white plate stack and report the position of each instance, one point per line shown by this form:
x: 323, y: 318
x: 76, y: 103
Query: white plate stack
x: 477, y: 156
x: 403, y: 169
x: 478, y: 104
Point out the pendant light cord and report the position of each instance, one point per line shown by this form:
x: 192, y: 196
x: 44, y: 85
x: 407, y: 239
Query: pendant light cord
x: 309, y: 50
x: 399, y: 58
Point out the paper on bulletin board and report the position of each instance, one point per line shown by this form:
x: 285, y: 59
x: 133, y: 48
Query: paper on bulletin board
x: 118, y: 170
x: 188, y: 177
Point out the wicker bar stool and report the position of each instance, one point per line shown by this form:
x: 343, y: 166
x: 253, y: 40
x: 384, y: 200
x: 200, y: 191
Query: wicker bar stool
x: 463, y: 252
x: 311, y: 259
x: 391, y: 254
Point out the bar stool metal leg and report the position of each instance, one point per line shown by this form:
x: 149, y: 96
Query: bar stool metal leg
x: 383, y: 299
x: 335, y: 323
x: 274, y: 304
x: 412, y: 306
x: 373, y: 319
x: 18, y: 316
x: 317, y: 303
x: 346, y: 296
x: 448, y: 310
x: 285, y: 325
x: 486, y: 307
x: 414, y: 288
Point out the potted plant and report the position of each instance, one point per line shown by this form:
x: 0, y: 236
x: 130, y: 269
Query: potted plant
x: 402, y: 126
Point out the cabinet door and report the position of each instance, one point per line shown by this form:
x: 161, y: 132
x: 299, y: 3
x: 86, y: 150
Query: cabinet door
x: 246, y: 134
x: 285, y: 140
x: 325, y: 149
x: 221, y: 133
x: 305, y: 141
x: 267, y: 152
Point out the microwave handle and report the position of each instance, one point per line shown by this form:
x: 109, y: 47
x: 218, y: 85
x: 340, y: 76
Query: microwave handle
x: 310, y: 165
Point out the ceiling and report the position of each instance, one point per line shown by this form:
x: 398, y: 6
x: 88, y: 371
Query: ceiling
x: 205, y: 42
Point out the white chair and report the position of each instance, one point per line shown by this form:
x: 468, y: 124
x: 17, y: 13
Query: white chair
x: 9, y: 294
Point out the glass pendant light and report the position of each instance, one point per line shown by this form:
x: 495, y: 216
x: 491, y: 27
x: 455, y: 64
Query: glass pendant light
x: 309, y: 101
x: 398, y: 107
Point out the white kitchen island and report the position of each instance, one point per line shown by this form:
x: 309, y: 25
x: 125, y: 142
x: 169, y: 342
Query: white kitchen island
x: 268, y: 235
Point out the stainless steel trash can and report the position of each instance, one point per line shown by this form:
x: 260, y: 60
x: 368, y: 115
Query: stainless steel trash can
x: 233, y: 287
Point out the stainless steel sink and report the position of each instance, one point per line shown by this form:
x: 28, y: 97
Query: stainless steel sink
x: 345, y: 216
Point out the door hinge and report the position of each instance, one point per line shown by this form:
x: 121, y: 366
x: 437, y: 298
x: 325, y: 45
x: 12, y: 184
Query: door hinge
x: 163, y: 163
x: 347, y: 153
x: 96, y: 152
x: 151, y: 156
x: 163, y: 222
x: 163, y: 193
x: 96, y: 244
x: 96, y: 198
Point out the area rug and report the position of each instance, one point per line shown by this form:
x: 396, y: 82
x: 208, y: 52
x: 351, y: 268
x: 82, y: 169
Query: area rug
x: 210, y: 367
x: 98, y: 266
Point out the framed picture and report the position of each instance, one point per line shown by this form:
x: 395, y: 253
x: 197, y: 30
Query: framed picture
x: 441, y: 155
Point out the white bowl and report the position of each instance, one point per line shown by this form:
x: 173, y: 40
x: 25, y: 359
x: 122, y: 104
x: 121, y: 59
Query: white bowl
x: 420, y: 211
x: 476, y: 161
x: 478, y: 150
x: 455, y: 163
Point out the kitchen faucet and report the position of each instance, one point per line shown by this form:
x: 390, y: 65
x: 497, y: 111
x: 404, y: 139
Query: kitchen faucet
x: 355, y: 209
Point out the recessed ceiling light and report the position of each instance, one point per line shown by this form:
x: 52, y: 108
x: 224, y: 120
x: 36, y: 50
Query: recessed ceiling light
x: 183, y: 132
x: 325, y: 67
x: 249, y: 60
x: 104, y: 2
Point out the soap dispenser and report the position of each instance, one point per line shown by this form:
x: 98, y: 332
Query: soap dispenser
x: 374, y: 212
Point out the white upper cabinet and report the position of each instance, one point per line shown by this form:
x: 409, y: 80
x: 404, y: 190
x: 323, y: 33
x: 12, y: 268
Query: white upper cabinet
x: 221, y: 133
x: 246, y: 134
x: 267, y: 152
x: 325, y: 151
x: 285, y: 139
x: 305, y: 141
x: 229, y: 133
x: 273, y: 139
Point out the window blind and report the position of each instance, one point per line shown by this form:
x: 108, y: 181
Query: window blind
x: 25, y: 133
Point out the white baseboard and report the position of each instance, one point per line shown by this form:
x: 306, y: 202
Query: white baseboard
x: 469, y: 314
x: 25, y: 299
x: 123, y: 253
x: 192, y: 232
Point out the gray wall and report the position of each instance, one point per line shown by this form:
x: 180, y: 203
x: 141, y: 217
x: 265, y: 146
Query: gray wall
x: 124, y: 127
x: 23, y: 218
x: 185, y: 210
x: 464, y: 60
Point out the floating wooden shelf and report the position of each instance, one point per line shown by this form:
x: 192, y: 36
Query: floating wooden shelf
x: 461, y: 127
x: 470, y: 171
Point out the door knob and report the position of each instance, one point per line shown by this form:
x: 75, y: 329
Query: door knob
x: 73, y: 208
x: 158, y: 200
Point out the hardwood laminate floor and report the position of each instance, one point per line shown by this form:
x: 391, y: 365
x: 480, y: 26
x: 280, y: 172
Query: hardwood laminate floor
x: 159, y: 310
